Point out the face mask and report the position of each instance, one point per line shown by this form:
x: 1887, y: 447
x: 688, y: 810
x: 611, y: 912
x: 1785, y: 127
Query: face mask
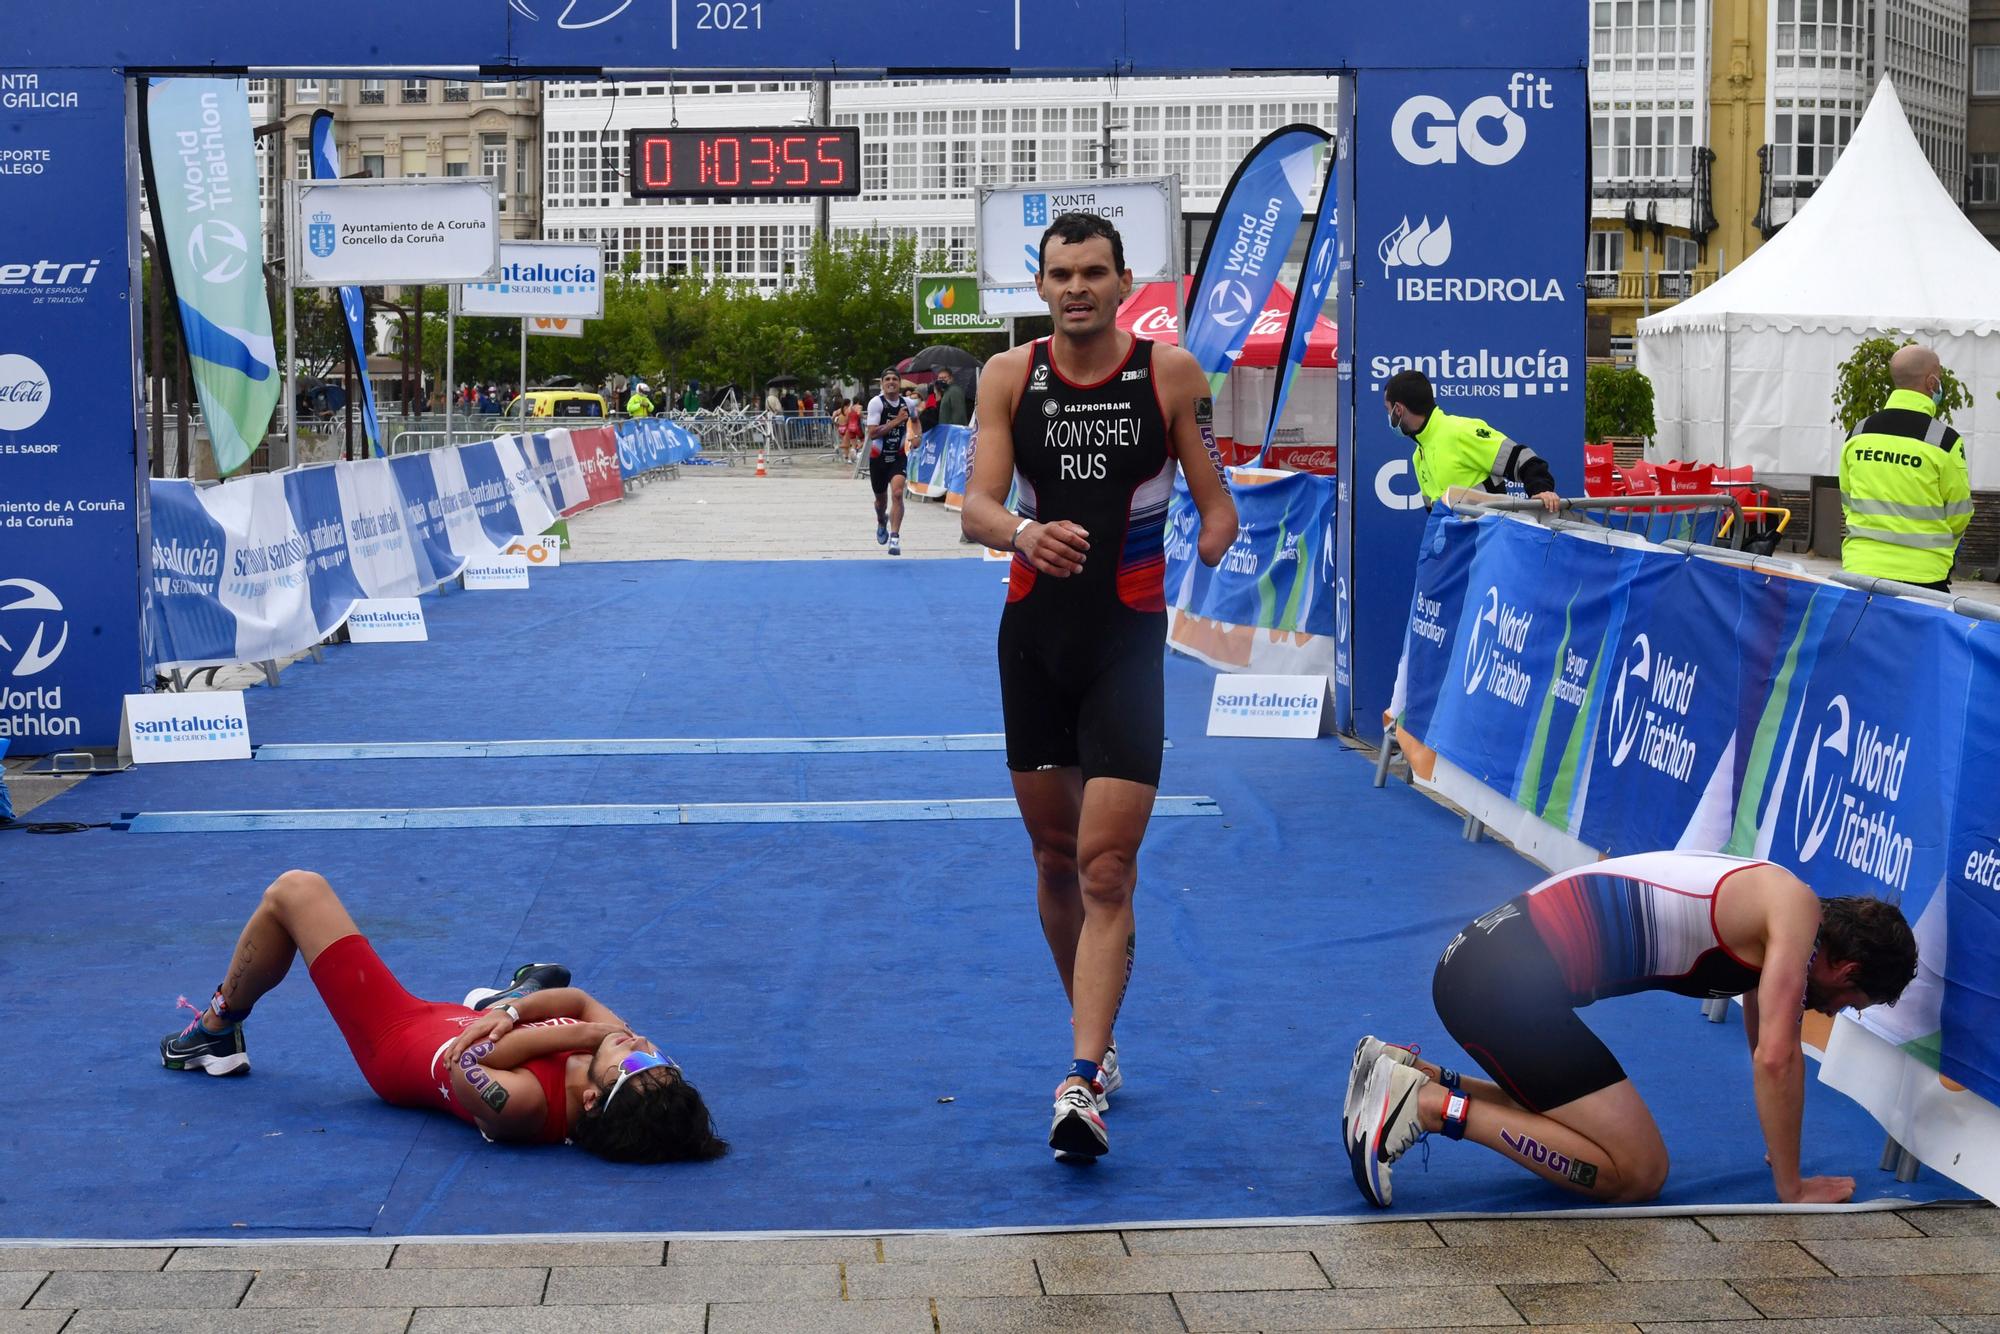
x: 1937, y: 395
x: 1392, y: 421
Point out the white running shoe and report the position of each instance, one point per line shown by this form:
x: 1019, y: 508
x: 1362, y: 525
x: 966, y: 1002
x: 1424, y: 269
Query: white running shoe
x: 1109, y: 1078
x: 1385, y: 1126
x: 1077, y: 1134
x: 1365, y: 1053
x: 895, y: 544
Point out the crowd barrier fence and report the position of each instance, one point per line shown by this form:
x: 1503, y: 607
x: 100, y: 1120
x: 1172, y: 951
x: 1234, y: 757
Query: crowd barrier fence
x: 1589, y: 695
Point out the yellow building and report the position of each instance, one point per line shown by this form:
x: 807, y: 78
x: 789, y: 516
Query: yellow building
x: 1712, y: 121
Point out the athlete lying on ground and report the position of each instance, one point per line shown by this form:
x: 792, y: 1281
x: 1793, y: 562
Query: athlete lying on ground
x: 548, y: 1066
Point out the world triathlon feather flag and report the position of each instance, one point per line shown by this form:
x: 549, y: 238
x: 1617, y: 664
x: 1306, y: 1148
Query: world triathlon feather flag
x: 1254, y: 226
x: 326, y: 167
x: 202, y: 179
x: 1315, y: 290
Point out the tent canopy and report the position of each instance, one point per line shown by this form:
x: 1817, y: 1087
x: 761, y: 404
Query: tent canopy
x: 1744, y: 371
x: 1151, y: 312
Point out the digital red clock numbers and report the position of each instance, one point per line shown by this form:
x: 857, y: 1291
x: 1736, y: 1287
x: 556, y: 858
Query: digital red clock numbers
x: 712, y: 164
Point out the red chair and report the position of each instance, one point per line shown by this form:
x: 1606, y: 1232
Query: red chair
x: 1600, y: 472
x: 1687, y: 479
x: 1642, y: 479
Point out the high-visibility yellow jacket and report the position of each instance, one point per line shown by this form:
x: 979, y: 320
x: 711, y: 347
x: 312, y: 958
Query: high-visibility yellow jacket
x: 638, y: 406
x: 1464, y: 451
x: 1905, y: 493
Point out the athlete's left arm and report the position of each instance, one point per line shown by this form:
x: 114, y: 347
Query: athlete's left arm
x: 1778, y: 1066
x: 1189, y: 406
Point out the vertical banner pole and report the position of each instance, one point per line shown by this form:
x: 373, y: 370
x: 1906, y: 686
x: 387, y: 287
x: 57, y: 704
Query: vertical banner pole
x: 291, y: 382
x: 450, y: 362
x: 521, y: 385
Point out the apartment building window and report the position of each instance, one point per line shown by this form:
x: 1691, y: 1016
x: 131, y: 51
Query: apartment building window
x: 416, y: 90
x: 1678, y: 257
x: 1642, y: 145
x: 875, y: 154
x: 457, y: 90
x: 1606, y: 259
x: 416, y: 159
x: 1823, y: 34
x: 1982, y: 182
x: 457, y: 160
x: 334, y: 95
x: 1642, y: 34
x: 302, y: 162
x: 372, y: 165
x: 305, y: 90
x: 903, y: 145
x: 521, y: 168
x: 373, y: 92
x: 1986, y: 71
x: 1806, y: 141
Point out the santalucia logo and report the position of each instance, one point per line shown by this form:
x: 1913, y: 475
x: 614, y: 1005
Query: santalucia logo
x: 172, y: 729
x: 1499, y: 634
x: 1834, y: 796
x: 1268, y: 701
x: 1649, y: 709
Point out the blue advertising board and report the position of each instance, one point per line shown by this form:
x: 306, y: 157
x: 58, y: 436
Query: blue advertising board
x: 1027, y: 36
x: 1456, y: 273
x: 73, y: 514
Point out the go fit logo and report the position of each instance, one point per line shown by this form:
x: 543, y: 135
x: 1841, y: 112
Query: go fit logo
x: 1491, y: 130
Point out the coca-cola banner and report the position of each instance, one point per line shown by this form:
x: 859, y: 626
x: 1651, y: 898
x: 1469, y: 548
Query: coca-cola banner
x: 72, y: 506
x: 1483, y: 298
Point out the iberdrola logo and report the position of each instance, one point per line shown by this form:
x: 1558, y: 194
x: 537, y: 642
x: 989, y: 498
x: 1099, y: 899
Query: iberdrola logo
x: 942, y: 297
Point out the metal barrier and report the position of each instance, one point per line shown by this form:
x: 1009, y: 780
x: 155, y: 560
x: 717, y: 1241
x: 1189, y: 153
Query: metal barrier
x: 1611, y: 506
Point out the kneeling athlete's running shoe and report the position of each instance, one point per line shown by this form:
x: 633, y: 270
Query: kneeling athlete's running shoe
x: 1366, y: 1052
x: 527, y: 978
x: 1077, y: 1134
x: 195, y: 1048
x: 1385, y: 1126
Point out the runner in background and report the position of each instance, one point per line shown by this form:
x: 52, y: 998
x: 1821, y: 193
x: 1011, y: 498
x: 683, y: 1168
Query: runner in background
x: 890, y: 415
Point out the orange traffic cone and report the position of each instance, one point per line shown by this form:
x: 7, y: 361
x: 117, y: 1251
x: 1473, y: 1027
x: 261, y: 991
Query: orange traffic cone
x: 760, y: 465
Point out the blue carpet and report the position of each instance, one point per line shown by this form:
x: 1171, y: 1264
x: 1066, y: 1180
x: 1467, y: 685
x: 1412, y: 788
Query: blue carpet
x: 869, y: 1007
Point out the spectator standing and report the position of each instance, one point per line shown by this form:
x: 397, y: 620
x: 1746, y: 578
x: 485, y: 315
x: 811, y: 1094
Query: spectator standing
x: 641, y: 403
x: 951, y: 409
x: 788, y: 402
x: 772, y: 403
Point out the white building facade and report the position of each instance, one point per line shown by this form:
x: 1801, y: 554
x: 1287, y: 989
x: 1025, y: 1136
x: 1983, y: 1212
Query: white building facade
x: 926, y: 148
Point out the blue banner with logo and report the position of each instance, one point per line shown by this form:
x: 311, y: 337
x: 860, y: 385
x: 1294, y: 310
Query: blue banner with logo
x: 314, y: 497
x: 1268, y: 606
x: 205, y: 198
x: 1252, y: 233
x: 73, y: 515
x: 326, y: 167
x: 1970, y: 1033
x: 1483, y: 298
x: 1316, y: 285
x: 647, y: 444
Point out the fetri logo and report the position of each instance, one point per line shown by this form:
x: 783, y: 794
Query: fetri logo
x: 49, y: 273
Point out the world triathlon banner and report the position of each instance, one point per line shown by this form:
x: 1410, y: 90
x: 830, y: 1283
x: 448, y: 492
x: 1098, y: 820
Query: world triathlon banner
x: 648, y: 444
x: 1269, y: 605
x: 1636, y: 699
x: 1254, y: 226
x: 203, y: 184
x: 1316, y: 286
x: 268, y: 565
x: 326, y: 167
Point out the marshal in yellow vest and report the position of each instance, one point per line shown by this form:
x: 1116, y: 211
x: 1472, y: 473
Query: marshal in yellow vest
x: 1905, y: 493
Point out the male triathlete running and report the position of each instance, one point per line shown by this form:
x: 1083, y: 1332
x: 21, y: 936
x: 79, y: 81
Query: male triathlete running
x: 889, y: 417
x: 542, y: 1066
x: 1693, y: 923
x: 1093, y: 420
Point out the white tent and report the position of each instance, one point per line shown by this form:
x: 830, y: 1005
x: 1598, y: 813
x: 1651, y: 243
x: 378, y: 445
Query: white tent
x: 1744, y: 371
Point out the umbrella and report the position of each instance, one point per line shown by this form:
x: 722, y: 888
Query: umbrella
x: 944, y: 357
x: 781, y: 380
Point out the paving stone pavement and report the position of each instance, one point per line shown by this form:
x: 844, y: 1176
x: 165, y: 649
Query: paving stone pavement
x: 1931, y: 1270
x: 1935, y: 1270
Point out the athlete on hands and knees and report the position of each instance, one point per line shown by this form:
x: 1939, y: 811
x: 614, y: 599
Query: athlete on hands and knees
x: 538, y: 1066
x: 889, y: 416
x: 1092, y: 420
x: 1509, y: 985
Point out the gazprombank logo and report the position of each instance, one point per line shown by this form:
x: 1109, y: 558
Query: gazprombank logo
x: 35, y: 654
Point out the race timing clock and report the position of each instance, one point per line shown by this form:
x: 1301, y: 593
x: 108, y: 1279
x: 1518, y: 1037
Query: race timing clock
x: 746, y: 164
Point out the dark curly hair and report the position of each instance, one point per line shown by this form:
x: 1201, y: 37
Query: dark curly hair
x: 1076, y: 228
x: 658, y: 1118
x: 1872, y: 935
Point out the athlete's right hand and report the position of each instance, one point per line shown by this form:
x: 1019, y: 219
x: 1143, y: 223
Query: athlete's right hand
x: 1055, y: 549
x: 1820, y: 1190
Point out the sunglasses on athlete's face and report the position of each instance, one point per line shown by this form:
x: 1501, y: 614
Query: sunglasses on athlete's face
x: 637, y: 1063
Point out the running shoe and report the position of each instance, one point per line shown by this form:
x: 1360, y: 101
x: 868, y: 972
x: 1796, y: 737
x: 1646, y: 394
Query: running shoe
x: 1109, y: 1078
x: 1077, y: 1134
x: 1385, y: 1127
x: 895, y: 544
x: 528, y: 977
x: 195, y: 1048
x: 881, y: 533
x: 1365, y: 1053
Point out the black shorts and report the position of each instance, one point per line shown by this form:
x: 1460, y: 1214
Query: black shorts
x: 1503, y: 999
x: 1088, y: 695
x: 880, y: 470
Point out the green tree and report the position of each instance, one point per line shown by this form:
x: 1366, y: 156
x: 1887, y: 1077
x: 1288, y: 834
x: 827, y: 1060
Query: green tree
x: 1862, y: 384
x: 1617, y: 401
